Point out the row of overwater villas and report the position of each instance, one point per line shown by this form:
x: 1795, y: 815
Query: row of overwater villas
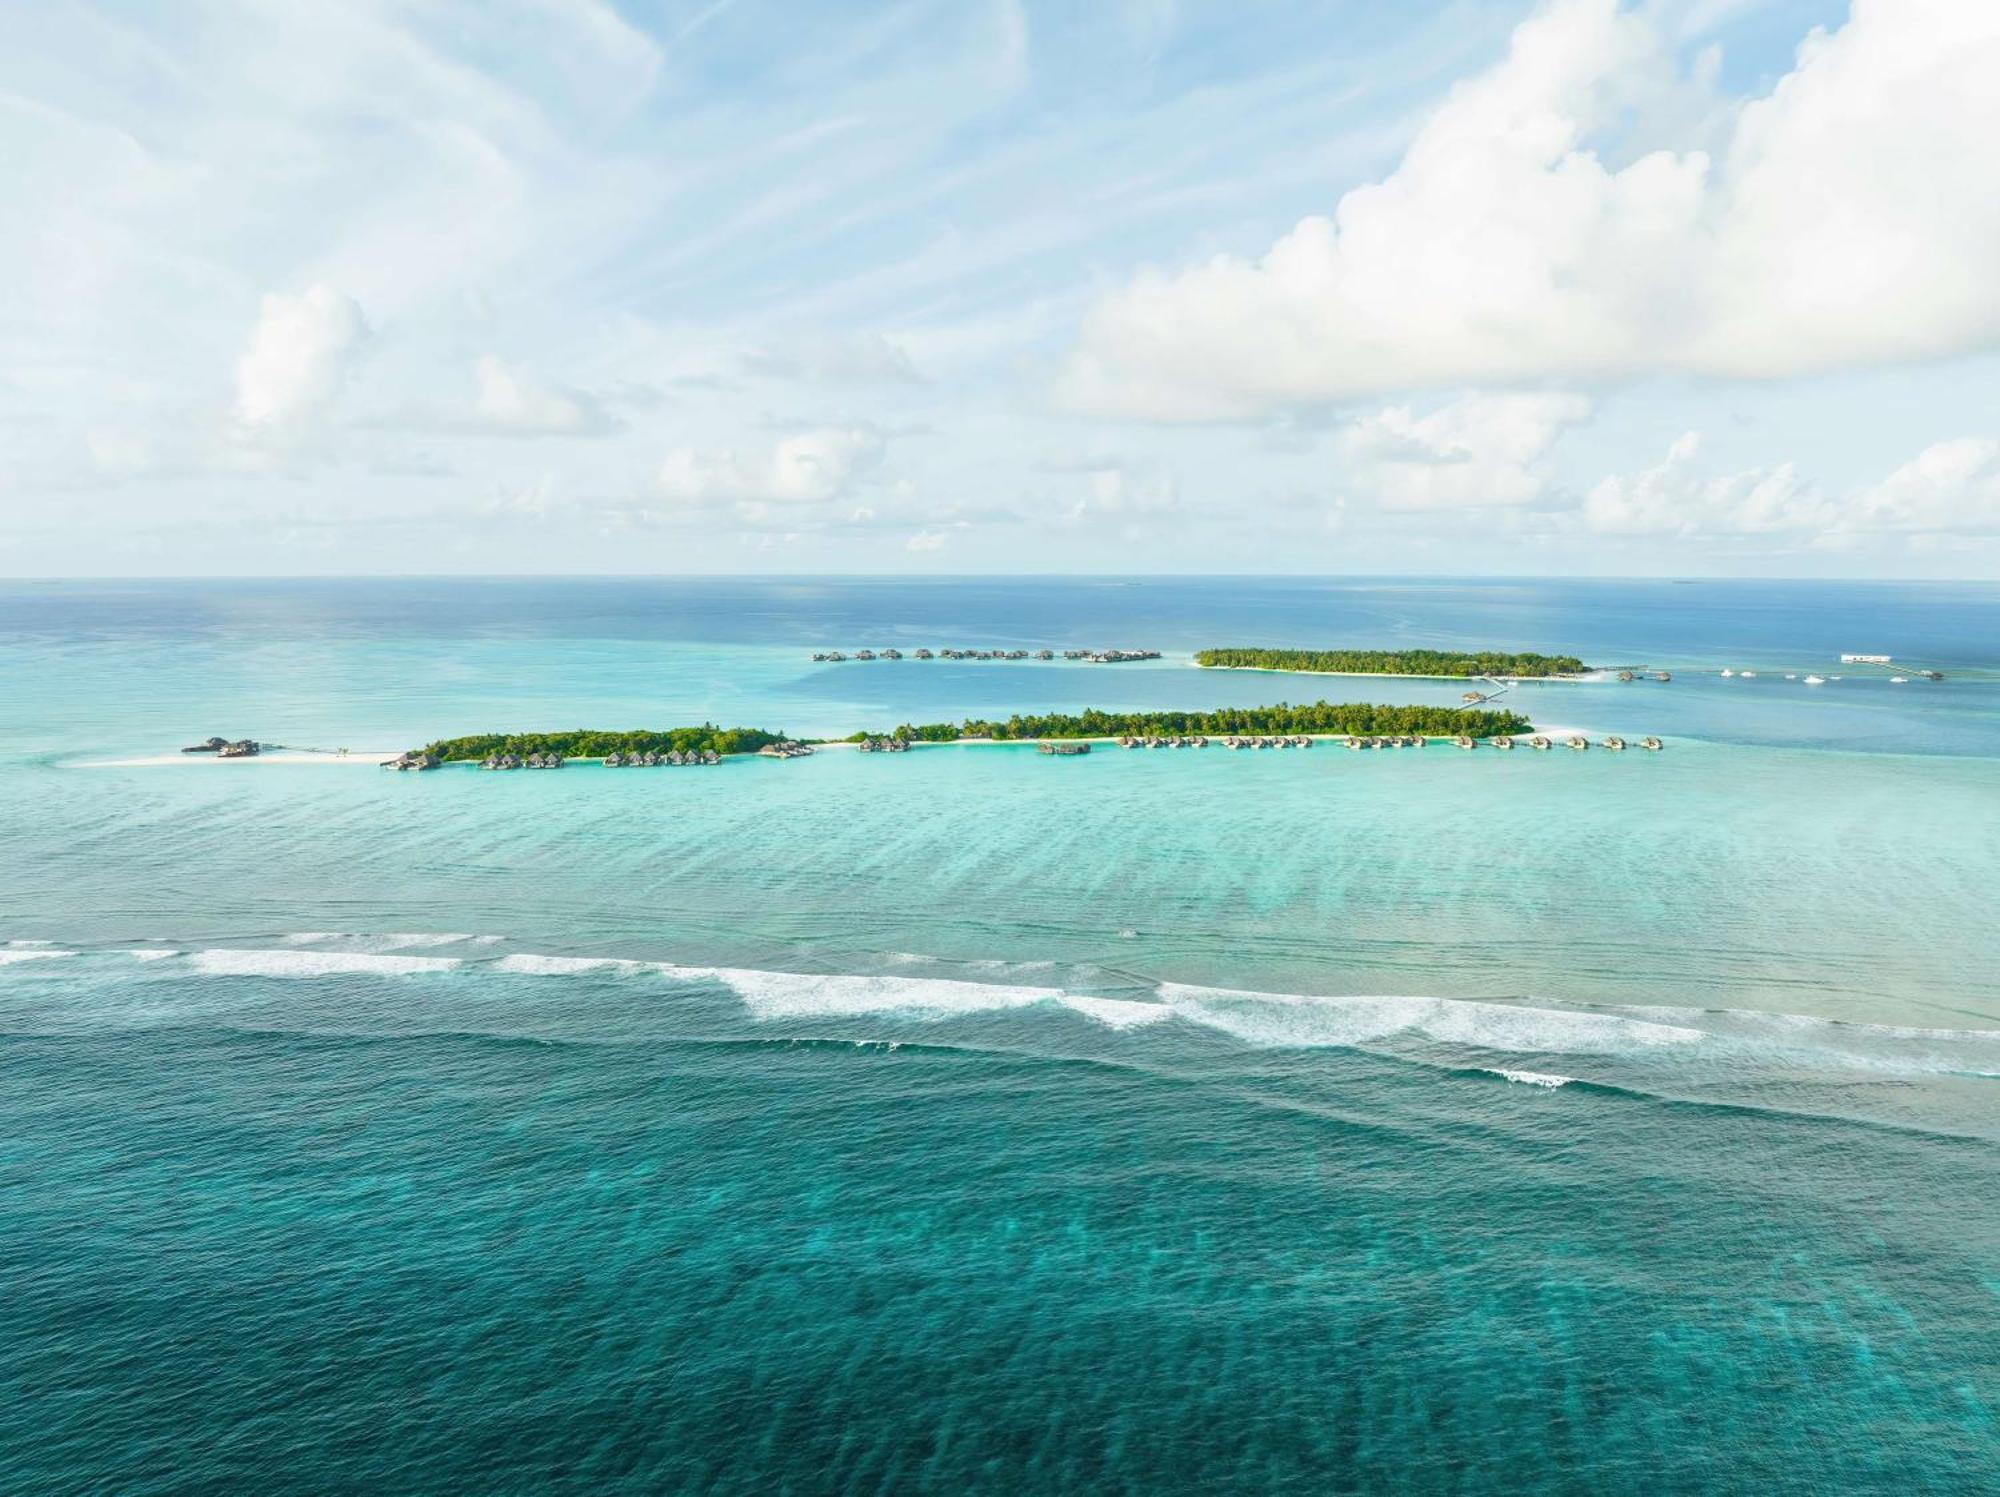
x: 1099, y: 657
x: 633, y: 760
x: 1301, y: 740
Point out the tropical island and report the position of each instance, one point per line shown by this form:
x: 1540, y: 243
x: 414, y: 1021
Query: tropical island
x: 1452, y: 664
x: 1323, y: 718
x: 707, y: 742
x: 594, y: 743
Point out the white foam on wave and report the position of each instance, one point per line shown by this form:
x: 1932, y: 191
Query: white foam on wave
x: 24, y: 953
x: 1547, y: 1079
x: 153, y: 953
x: 252, y: 962
x: 533, y: 964
x: 1118, y: 1013
x: 797, y: 995
x: 26, y: 942
x: 1284, y: 1020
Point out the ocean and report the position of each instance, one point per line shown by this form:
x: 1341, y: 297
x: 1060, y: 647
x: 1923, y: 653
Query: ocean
x: 971, y: 1120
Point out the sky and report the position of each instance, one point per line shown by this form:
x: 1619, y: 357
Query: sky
x: 1666, y: 287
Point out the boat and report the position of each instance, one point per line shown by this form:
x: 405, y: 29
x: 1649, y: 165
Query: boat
x: 1791, y: 676
x: 1727, y: 671
x: 1898, y: 680
x: 1815, y: 680
x: 1747, y: 674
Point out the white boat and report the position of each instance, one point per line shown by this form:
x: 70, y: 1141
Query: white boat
x: 1815, y: 680
x: 1727, y: 671
x: 1898, y: 680
x: 1748, y: 674
x: 1791, y: 676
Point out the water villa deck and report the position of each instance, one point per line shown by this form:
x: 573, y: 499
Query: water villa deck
x: 1092, y: 657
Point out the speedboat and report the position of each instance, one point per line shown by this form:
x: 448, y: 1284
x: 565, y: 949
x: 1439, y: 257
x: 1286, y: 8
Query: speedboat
x: 1748, y: 674
x: 1791, y: 676
x: 1898, y: 680
x: 1727, y: 671
x: 1815, y: 680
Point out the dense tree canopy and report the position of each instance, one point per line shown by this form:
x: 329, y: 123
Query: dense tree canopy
x: 1320, y: 717
x: 1396, y: 662
x: 590, y: 743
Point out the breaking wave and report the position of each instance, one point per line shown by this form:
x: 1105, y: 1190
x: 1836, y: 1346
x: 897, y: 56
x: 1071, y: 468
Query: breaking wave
x: 1299, y: 1020
x: 251, y: 962
x: 23, y: 952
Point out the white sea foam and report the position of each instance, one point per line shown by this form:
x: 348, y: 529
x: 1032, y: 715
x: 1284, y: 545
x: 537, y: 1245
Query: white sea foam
x: 1118, y: 1013
x: 1548, y: 1079
x: 1295, y: 1019
x: 792, y: 995
x: 534, y: 964
x: 228, y: 962
x: 26, y: 942
x: 14, y: 954
x: 153, y: 953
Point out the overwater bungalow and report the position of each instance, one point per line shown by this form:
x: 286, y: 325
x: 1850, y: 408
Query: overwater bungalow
x: 1663, y: 675
x: 1470, y: 697
x: 1538, y: 742
x: 1045, y: 654
x: 864, y: 654
x: 1577, y: 741
x: 1626, y: 676
x: 1064, y: 749
x: 1503, y: 742
x: 923, y: 655
x: 1614, y: 743
x: 892, y: 654
x: 1465, y: 741
x: 1652, y: 744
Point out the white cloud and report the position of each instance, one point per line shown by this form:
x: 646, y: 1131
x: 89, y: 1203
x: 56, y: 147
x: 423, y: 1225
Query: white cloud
x: 1480, y: 451
x: 1850, y: 216
x: 1674, y: 498
x: 296, y: 362
x: 511, y: 403
x: 805, y: 467
x: 925, y: 541
x: 1948, y: 487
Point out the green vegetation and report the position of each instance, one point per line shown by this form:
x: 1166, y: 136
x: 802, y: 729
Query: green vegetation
x: 1396, y: 662
x: 1359, y: 718
x: 588, y: 743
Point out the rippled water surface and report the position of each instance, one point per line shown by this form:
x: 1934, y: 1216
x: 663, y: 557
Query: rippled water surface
x: 969, y: 1120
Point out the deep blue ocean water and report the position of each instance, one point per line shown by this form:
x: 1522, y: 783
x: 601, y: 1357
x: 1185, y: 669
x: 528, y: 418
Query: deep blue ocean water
x: 970, y: 1121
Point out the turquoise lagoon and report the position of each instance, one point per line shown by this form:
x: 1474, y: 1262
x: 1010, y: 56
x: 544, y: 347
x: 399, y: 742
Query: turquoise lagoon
x: 971, y: 1121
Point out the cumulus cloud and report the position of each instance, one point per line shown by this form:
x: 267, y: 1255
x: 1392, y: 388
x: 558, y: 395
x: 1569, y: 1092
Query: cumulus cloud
x: 1949, y: 487
x: 1849, y: 216
x: 511, y: 403
x: 1674, y: 498
x: 1480, y: 451
x: 296, y: 362
x: 802, y: 468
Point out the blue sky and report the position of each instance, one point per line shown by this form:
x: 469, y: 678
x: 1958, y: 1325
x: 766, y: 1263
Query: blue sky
x: 1677, y: 286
